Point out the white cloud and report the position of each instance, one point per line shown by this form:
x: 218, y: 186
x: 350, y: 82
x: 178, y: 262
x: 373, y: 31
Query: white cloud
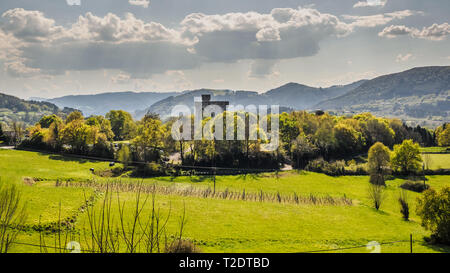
x: 379, y: 19
x: 394, y: 31
x: 141, y: 3
x: 370, y: 3
x: 30, y: 26
x: 404, y: 58
x: 18, y: 70
x: 268, y: 35
x: 434, y: 32
x: 141, y: 49
x: 283, y: 33
x: 112, y: 28
x: 8, y: 46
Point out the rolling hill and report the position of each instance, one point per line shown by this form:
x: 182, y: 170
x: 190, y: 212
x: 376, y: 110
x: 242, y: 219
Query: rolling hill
x: 421, y: 94
x: 292, y: 96
x: 100, y: 104
x: 29, y: 112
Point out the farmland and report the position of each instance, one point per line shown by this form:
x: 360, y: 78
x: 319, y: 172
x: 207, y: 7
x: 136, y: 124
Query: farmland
x: 218, y: 224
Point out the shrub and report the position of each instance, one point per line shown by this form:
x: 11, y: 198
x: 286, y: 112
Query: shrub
x: 182, y: 246
x: 376, y: 195
x: 404, y: 205
x: 149, y: 170
x: 335, y: 168
x: 434, y: 209
x: 415, y: 186
x: 113, y: 172
x: 377, y: 179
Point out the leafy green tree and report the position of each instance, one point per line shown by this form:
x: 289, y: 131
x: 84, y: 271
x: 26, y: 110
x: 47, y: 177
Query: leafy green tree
x: 103, y: 124
x: 406, y: 157
x: 288, y: 130
x: 78, y: 135
x: 323, y: 138
x: 53, y: 137
x: 149, y: 140
x: 379, y: 131
x: 379, y: 159
x: 434, y: 209
x: 122, y: 124
x: 124, y: 155
x: 46, y: 121
x: 303, y: 151
x: 76, y: 115
x: 443, y: 137
x: 400, y: 130
x: 348, y: 139
x: 3, y: 137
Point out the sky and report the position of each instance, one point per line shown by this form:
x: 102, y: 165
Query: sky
x: 53, y: 48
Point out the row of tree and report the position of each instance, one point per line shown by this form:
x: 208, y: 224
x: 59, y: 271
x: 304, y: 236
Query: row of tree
x: 303, y: 137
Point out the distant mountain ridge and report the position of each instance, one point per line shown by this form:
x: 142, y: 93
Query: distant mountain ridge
x: 421, y: 93
x: 100, y: 104
x: 291, y: 96
x: 29, y: 112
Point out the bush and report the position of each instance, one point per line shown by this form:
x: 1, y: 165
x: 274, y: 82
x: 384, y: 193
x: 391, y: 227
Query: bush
x: 377, y: 179
x: 335, y: 168
x: 415, y: 186
x: 376, y: 195
x: 404, y: 205
x: 113, y: 172
x: 182, y: 246
x: 434, y: 209
x: 149, y: 170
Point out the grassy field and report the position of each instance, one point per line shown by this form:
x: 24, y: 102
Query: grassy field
x: 438, y: 161
x: 222, y: 225
x: 433, y: 149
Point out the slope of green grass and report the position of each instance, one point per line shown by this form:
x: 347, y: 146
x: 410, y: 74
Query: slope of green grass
x: 438, y: 161
x: 47, y: 203
x: 18, y: 164
x: 218, y: 225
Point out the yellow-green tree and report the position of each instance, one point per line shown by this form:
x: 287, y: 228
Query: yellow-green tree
x: 124, y: 155
x: 149, y: 140
x: 434, y: 209
x: 76, y: 115
x: 103, y: 124
x: 379, y: 160
x: 406, y: 157
x: 443, y: 136
x: 78, y: 135
x: 122, y: 124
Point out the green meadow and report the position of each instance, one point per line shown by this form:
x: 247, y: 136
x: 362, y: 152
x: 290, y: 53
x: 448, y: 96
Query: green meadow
x: 438, y: 161
x: 215, y: 224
